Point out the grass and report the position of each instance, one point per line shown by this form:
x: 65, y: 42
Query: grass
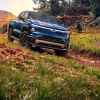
x: 89, y: 43
x: 4, y: 41
x: 50, y: 78
x: 55, y: 78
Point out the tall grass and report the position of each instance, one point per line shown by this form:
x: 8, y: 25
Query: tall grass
x: 51, y: 78
x: 56, y: 78
x: 86, y: 42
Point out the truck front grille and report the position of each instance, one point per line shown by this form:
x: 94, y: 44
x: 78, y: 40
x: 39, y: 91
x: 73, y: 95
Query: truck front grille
x: 49, y: 44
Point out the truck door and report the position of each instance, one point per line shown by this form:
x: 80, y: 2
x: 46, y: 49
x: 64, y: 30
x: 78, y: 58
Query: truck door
x: 20, y: 21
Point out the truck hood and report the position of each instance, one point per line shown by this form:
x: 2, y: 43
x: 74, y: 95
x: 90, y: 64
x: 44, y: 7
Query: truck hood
x: 47, y: 25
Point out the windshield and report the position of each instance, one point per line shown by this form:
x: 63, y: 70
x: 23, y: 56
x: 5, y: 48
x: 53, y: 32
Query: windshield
x: 44, y: 17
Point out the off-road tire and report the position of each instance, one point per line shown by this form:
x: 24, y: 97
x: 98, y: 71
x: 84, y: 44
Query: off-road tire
x: 10, y: 32
x: 61, y: 53
x: 23, y: 39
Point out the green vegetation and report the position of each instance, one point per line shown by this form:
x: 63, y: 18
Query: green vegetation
x: 89, y: 43
x: 53, y: 78
x: 47, y: 77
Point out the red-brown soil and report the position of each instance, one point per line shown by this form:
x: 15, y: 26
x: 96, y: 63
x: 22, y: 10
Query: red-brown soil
x: 85, y: 58
x: 5, y: 17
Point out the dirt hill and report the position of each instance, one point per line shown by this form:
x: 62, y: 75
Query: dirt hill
x: 5, y: 17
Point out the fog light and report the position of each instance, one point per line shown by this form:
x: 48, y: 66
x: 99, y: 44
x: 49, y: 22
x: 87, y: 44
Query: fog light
x: 32, y: 29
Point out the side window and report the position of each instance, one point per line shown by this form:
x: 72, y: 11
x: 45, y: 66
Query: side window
x: 23, y: 15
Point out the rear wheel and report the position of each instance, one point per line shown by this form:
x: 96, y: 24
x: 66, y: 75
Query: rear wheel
x: 10, y: 32
x: 4, y: 29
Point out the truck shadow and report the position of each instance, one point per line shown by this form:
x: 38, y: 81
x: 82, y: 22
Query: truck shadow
x: 41, y: 51
x: 50, y: 52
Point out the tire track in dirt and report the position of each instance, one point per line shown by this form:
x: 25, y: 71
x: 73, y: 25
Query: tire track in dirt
x: 85, y: 59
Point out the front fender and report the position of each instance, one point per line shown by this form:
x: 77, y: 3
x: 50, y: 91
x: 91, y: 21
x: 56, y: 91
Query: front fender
x: 25, y: 27
x: 14, y: 24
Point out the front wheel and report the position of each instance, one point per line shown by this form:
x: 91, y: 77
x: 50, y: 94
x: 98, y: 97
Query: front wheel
x: 23, y: 39
x: 10, y: 32
x: 61, y: 52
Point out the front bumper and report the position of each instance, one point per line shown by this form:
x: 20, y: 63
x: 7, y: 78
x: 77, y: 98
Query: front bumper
x: 48, y: 45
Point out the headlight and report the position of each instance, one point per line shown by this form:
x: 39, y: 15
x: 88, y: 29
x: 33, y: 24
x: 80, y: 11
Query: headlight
x: 68, y: 36
x: 68, y: 32
x: 32, y: 29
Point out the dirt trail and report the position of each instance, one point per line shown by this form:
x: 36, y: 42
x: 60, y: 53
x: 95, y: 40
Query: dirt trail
x: 20, y: 56
x: 7, y: 53
x: 85, y: 59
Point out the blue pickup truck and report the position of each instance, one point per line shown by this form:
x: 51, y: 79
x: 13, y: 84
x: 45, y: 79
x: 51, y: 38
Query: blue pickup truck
x: 39, y: 30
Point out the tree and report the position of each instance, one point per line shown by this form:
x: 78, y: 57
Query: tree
x: 40, y: 4
x: 56, y: 7
x: 97, y: 8
x: 62, y: 7
x: 93, y: 6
